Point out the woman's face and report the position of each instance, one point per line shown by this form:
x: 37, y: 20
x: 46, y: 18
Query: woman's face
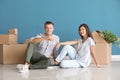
x: 82, y: 31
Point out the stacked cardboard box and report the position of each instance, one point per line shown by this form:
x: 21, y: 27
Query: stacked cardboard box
x: 102, y: 49
x: 13, y: 53
x: 10, y: 38
x: 13, y: 31
x: 10, y: 51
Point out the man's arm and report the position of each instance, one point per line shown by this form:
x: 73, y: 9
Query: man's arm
x: 55, y: 52
x: 39, y: 39
x: 36, y: 40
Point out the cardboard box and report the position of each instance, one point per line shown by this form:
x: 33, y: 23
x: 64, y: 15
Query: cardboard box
x: 27, y: 41
x: 8, y: 39
x: 12, y: 54
x: 13, y: 31
x: 102, y: 49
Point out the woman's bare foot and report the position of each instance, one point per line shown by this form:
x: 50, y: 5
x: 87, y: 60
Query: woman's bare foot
x: 56, y: 63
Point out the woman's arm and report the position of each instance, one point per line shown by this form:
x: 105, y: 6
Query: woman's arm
x: 94, y: 56
x: 66, y: 43
x: 69, y: 42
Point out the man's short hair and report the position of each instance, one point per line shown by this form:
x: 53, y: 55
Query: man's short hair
x: 48, y: 22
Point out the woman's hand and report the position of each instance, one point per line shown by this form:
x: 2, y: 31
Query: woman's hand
x: 58, y: 46
x: 99, y: 66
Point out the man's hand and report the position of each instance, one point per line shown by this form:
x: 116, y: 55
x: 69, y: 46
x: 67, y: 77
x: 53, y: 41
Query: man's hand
x: 51, y: 38
x: 36, y: 40
x: 58, y: 46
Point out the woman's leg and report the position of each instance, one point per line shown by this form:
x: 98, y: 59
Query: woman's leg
x: 69, y: 64
x: 66, y: 50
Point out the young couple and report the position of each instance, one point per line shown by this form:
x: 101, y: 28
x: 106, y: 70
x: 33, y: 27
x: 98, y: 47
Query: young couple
x: 42, y: 50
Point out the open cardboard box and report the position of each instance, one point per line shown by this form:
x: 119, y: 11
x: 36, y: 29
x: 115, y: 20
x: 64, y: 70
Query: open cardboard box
x: 102, y: 49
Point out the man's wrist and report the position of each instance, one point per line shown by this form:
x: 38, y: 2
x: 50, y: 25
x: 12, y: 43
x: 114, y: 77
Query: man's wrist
x: 47, y: 38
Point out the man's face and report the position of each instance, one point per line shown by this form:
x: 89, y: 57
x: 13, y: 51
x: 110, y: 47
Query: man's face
x: 49, y: 29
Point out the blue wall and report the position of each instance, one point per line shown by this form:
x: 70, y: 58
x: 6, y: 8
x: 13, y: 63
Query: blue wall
x: 29, y: 16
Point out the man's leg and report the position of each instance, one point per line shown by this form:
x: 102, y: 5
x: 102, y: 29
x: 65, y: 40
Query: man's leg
x: 42, y: 64
x: 29, y: 52
x: 39, y: 61
x: 51, y: 61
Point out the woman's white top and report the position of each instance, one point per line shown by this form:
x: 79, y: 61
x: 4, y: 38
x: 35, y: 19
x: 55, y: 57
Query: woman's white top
x: 83, y: 52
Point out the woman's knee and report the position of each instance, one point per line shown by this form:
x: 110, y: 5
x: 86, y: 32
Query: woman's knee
x: 63, y: 64
x: 67, y: 46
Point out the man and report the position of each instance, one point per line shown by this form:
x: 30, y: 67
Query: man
x: 41, y: 49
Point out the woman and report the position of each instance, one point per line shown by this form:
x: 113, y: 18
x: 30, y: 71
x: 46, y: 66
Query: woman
x: 84, y: 53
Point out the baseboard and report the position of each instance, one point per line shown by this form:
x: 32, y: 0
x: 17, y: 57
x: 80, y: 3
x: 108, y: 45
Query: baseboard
x: 115, y: 57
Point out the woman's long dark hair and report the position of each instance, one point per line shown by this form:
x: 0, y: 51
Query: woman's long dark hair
x: 88, y: 32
